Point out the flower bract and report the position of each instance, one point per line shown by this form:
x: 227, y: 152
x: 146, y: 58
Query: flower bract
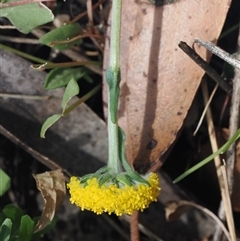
x: 113, y: 197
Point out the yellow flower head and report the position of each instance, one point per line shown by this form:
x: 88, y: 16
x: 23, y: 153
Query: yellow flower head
x: 113, y: 196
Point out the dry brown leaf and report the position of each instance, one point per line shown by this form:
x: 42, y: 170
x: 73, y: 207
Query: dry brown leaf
x: 52, y: 187
x: 158, y: 80
x: 175, y: 209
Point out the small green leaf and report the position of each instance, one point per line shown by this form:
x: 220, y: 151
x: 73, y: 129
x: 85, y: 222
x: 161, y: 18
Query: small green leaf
x: 12, y: 212
x: 121, y: 148
x: 124, y: 178
x: 88, y: 78
x: 137, y: 177
x: 2, y: 217
x: 15, y: 214
x: 26, y: 228
x: 104, y: 178
x: 5, y: 182
x: 71, y: 90
x: 41, y: 232
x: 64, y: 33
x: 5, y: 230
x: 113, y: 80
x: 48, y: 123
x: 102, y: 170
x: 88, y: 176
x: 26, y: 17
x: 60, y: 77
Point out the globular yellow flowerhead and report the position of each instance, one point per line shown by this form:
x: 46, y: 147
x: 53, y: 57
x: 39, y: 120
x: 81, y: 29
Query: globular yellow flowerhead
x: 114, y: 196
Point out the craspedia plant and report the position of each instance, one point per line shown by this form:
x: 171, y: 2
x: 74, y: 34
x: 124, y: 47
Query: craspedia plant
x: 119, y: 194
x: 116, y: 188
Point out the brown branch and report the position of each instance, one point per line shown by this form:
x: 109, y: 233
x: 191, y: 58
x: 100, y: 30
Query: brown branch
x: 23, y: 2
x: 205, y: 66
x: 134, y: 226
x: 85, y: 13
x: 86, y: 35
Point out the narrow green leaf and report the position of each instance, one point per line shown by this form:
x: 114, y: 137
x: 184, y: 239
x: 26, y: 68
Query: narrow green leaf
x: 88, y: 176
x: 121, y: 148
x: 41, y: 232
x: 2, y: 217
x: 12, y: 212
x: 15, y: 214
x: 48, y: 123
x: 26, y: 228
x: 64, y: 33
x: 221, y: 150
x: 5, y: 230
x: 71, y: 91
x: 125, y: 179
x: 26, y: 17
x: 88, y: 78
x: 104, y: 178
x: 81, y: 100
x: 137, y: 177
x: 60, y: 77
x: 5, y: 182
x: 103, y: 170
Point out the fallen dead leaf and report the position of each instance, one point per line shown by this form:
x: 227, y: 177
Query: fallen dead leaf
x: 159, y: 81
x: 175, y: 209
x: 52, y: 187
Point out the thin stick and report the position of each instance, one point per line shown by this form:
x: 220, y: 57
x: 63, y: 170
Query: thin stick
x: 175, y: 205
x: 41, y: 67
x: 222, y: 182
x: 142, y: 229
x: 24, y: 97
x: 229, y: 215
x: 22, y: 54
x: 91, y: 24
x: 18, y: 3
x: 70, y: 53
x: 19, y: 40
x: 85, y: 35
x: 219, y: 52
x: 205, y: 109
x: 234, y: 121
x: 119, y: 229
x: 233, y: 125
x: 90, y: 15
x: 134, y: 226
x: 85, y: 13
x: 204, y: 65
x: 7, y: 27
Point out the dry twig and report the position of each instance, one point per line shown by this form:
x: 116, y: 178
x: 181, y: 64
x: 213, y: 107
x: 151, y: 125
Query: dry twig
x: 222, y: 182
x: 233, y: 126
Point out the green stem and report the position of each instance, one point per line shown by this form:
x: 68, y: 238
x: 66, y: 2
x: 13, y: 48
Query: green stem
x: 24, y: 55
x: 115, y: 34
x: 113, y: 151
x: 82, y: 99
